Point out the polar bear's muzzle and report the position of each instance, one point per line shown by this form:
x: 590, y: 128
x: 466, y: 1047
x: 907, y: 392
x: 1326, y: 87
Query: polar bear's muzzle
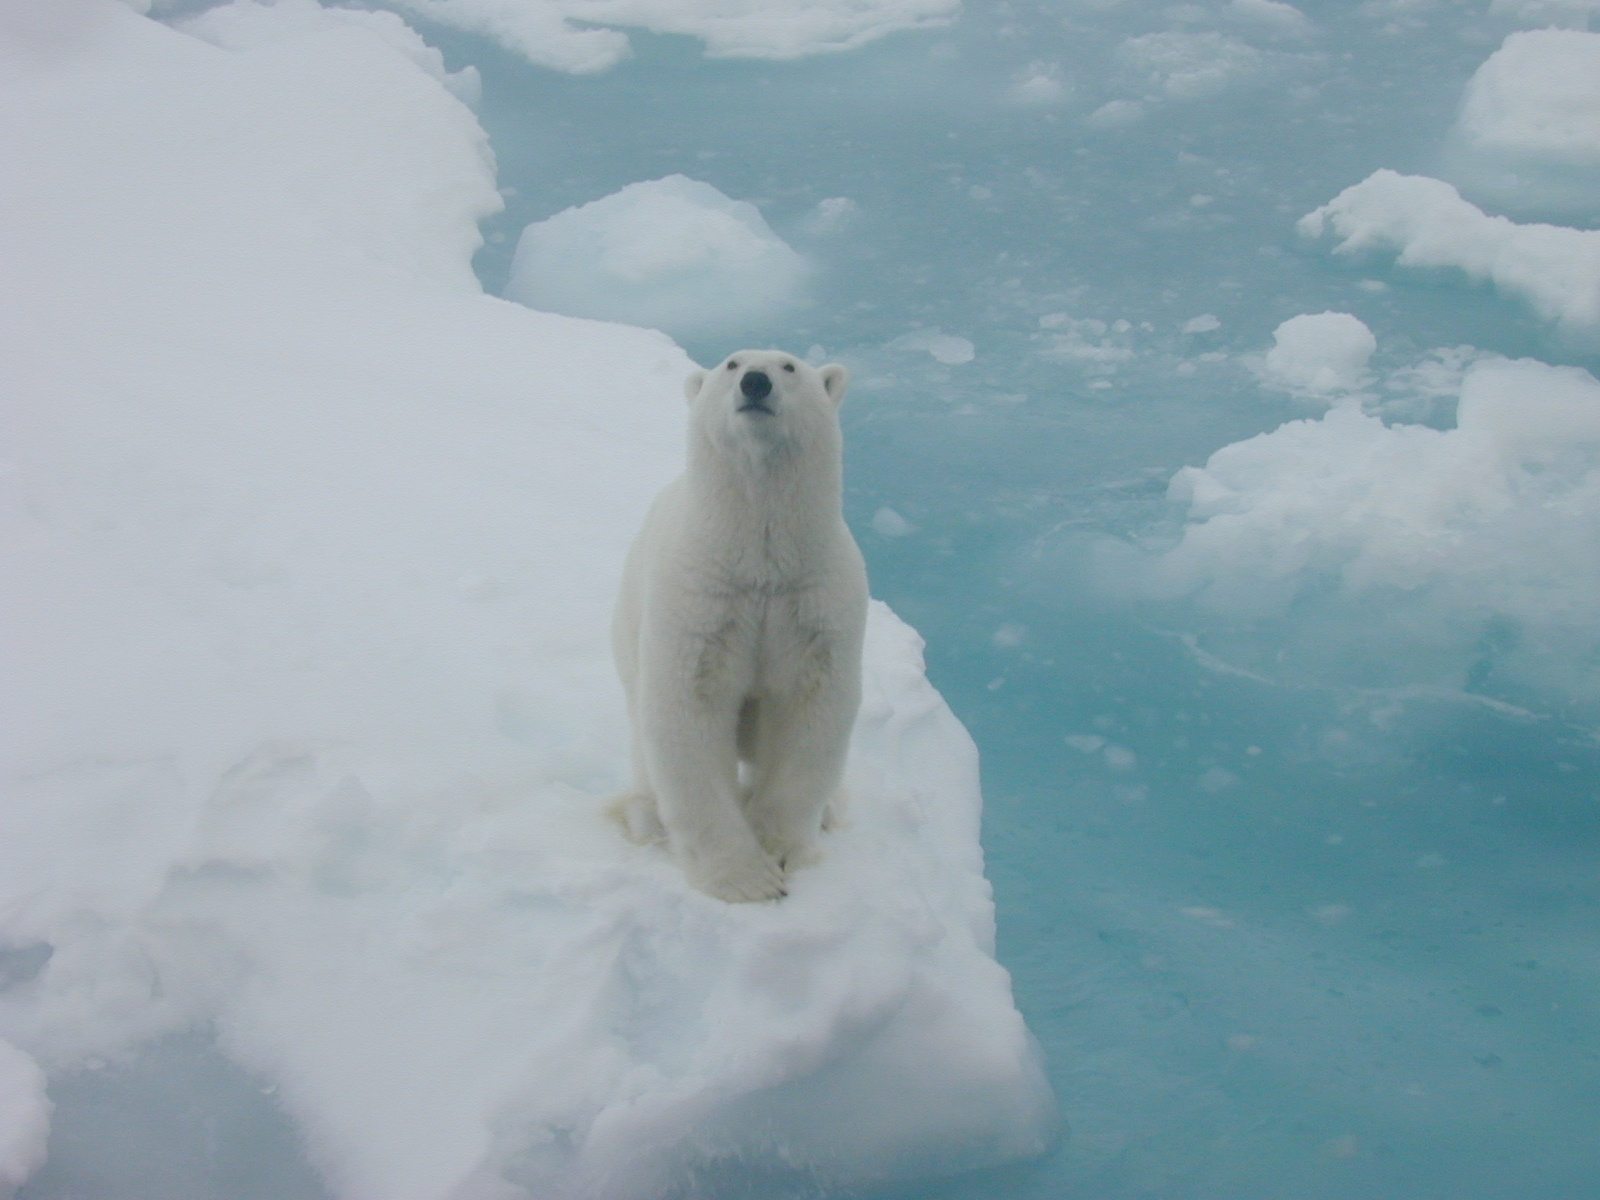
x: 755, y: 387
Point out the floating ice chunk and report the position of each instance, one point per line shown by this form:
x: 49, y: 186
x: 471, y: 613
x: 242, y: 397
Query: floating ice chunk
x: 242, y: 24
x: 673, y: 254
x: 1528, y: 135
x: 24, y: 1117
x: 1539, y: 94
x: 946, y: 348
x: 561, y: 33
x: 1401, y: 542
x: 1552, y: 269
x: 1318, y: 355
x: 1204, y: 323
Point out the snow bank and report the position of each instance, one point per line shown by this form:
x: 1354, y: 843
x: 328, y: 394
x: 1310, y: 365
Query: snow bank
x: 1552, y: 269
x: 1318, y: 355
x: 543, y: 31
x: 1477, y: 547
x: 1528, y: 136
x: 673, y: 254
x: 310, y: 719
x: 241, y: 24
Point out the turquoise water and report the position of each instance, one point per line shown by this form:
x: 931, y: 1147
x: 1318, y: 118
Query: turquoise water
x: 1286, y: 939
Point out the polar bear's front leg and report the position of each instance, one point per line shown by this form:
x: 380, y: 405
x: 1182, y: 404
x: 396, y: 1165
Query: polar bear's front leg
x: 689, y: 746
x: 797, y: 767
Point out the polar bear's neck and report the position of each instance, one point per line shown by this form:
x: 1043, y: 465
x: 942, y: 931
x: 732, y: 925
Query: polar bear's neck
x: 769, y: 517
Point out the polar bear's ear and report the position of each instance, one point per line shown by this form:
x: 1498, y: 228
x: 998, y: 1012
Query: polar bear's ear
x: 691, y: 385
x: 834, y: 380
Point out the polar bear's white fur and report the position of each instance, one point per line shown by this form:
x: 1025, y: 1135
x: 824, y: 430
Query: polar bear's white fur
x: 738, y: 630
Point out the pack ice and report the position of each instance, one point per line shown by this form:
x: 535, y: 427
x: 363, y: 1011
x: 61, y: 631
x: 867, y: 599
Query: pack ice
x: 309, y: 716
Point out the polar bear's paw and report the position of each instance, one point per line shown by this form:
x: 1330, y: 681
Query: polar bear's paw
x: 742, y: 880
x: 636, y: 813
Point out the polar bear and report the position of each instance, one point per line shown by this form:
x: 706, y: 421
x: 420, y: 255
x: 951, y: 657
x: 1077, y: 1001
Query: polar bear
x: 738, y: 630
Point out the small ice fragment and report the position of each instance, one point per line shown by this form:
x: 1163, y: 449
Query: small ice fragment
x: 1085, y: 743
x: 1319, y: 354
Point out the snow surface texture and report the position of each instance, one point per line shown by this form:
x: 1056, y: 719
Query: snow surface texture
x: 1528, y: 136
x: 672, y: 254
x: 1497, y: 519
x: 1553, y: 269
x: 246, y: 23
x: 542, y: 31
x: 310, y: 717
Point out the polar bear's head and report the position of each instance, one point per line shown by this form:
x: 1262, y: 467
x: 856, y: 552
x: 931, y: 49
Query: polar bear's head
x: 767, y: 398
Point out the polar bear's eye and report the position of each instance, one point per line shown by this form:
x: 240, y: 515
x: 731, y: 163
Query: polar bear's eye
x: 732, y: 366
x: 788, y: 366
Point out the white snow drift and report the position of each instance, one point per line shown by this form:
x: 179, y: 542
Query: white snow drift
x: 1552, y: 269
x: 545, y: 32
x: 1528, y: 137
x: 309, y: 716
x: 673, y: 254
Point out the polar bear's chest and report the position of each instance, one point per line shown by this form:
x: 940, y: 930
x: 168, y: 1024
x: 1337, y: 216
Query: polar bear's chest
x: 759, y: 643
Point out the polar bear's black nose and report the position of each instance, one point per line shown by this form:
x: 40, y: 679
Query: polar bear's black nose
x: 756, y: 385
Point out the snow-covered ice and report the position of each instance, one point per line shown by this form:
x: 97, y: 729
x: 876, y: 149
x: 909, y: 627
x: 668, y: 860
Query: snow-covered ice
x: 673, y: 254
x: 310, y: 718
x: 1553, y: 269
x: 1320, y: 355
x: 1528, y: 135
x: 246, y: 23
x: 1494, y: 520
